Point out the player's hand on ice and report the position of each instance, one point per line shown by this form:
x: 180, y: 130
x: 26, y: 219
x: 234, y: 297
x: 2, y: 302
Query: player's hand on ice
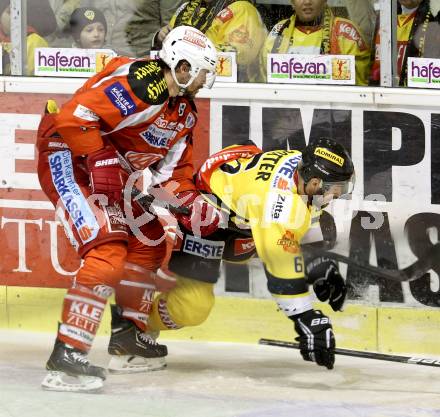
x: 316, y: 338
x: 106, y: 174
x: 203, y: 218
x: 328, y: 284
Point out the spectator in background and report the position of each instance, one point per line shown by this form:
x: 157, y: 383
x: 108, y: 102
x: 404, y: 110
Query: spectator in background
x: 41, y: 22
x: 62, y: 9
x: 232, y: 25
x: 147, y: 21
x: 312, y: 29
x: 362, y: 13
x: 418, y: 35
x: 88, y: 28
x: 132, y: 23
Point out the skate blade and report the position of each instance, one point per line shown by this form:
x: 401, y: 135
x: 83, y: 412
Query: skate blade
x: 128, y: 364
x: 60, y: 381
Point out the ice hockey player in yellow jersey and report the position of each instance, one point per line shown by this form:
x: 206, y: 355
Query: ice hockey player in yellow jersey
x: 264, y: 203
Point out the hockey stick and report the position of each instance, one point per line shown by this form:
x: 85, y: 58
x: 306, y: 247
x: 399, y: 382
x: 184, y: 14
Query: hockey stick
x: 145, y: 201
x: 413, y: 360
x: 410, y: 273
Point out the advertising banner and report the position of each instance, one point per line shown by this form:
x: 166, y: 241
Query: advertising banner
x: 70, y: 62
x: 423, y: 72
x: 227, y: 67
x: 393, y: 218
x: 311, y: 69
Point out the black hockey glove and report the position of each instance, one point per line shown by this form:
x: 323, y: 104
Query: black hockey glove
x: 316, y: 338
x: 323, y: 274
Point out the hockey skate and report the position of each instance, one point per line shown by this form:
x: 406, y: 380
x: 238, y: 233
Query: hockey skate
x: 132, y: 349
x: 70, y: 370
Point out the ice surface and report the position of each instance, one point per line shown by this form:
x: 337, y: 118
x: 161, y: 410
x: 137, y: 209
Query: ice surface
x: 219, y: 380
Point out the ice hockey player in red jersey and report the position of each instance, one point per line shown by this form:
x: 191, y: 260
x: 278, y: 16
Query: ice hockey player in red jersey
x: 136, y: 113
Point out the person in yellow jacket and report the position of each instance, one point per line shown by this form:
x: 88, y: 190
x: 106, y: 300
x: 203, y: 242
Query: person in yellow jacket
x: 270, y: 201
x: 34, y: 38
x: 313, y: 29
x: 232, y: 25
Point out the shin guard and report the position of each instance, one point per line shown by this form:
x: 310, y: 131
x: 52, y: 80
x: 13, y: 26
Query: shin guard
x: 82, y: 313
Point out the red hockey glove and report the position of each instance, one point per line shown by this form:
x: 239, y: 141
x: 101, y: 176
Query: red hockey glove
x: 203, y: 218
x: 106, y: 174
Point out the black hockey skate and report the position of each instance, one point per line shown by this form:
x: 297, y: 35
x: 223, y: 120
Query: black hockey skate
x: 132, y: 349
x: 70, y: 370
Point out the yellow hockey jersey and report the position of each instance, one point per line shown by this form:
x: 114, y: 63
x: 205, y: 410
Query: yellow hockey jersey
x: 261, y: 193
x: 345, y: 39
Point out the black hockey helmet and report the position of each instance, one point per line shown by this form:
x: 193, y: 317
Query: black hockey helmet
x: 328, y: 160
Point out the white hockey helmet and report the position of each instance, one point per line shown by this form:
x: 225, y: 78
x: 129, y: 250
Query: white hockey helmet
x: 189, y: 44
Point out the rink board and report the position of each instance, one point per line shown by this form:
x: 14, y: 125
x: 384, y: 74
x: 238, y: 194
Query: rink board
x: 246, y: 320
x: 394, y: 139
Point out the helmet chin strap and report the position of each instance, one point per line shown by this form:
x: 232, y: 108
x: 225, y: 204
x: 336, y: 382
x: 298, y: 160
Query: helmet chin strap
x: 182, y: 87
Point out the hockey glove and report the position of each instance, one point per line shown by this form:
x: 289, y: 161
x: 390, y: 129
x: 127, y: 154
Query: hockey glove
x: 106, y: 174
x: 316, y: 338
x: 203, y: 218
x: 323, y: 274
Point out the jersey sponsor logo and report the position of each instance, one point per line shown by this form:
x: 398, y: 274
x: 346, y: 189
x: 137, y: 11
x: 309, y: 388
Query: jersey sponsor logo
x: 278, y: 207
x: 348, y: 31
x: 163, y: 123
x: 288, y: 167
x: 190, y: 121
x: 80, y: 213
x: 107, y: 162
x: 146, y: 69
x: 195, y: 38
x: 330, y: 156
x: 289, y: 243
x: 147, y: 82
x: 121, y: 99
x: 140, y: 160
x: 157, y: 137
x: 280, y: 183
x: 243, y: 246
x: 156, y: 89
x: 225, y: 15
x: 203, y: 248
x: 84, y: 113
x: 57, y: 145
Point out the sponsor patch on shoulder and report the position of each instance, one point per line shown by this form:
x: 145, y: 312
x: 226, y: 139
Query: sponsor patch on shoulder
x: 84, y: 113
x: 120, y: 98
x: 147, y: 82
